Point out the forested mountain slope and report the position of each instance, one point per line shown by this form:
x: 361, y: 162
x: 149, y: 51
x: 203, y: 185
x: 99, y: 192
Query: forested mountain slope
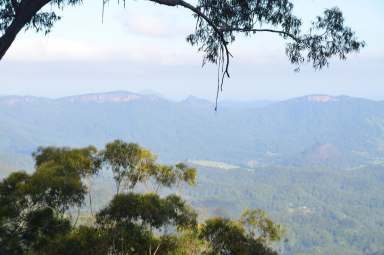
x: 310, y: 130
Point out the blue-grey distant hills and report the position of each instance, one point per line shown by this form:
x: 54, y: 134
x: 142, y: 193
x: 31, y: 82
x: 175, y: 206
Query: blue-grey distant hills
x: 309, y: 130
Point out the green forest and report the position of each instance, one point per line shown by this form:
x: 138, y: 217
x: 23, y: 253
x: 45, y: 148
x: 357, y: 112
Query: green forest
x: 325, y: 210
x: 51, y: 212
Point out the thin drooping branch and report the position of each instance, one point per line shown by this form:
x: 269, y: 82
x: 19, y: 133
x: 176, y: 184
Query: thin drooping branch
x: 216, y: 29
x: 224, y: 47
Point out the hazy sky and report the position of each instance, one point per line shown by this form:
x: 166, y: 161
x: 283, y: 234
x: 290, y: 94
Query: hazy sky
x: 143, y: 48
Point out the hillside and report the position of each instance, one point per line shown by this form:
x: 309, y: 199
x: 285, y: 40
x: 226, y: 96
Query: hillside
x: 310, y: 130
x: 315, y: 162
x: 325, y: 210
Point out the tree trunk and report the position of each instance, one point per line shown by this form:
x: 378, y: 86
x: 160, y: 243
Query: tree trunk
x: 9, y: 36
x: 24, y: 13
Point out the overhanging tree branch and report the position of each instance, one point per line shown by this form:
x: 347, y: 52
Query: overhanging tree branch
x: 217, y: 25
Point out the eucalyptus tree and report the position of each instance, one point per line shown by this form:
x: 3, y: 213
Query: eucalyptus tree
x: 85, y: 162
x: 132, y: 164
x: 34, y: 209
x: 252, y: 234
x: 33, y: 206
x: 136, y: 223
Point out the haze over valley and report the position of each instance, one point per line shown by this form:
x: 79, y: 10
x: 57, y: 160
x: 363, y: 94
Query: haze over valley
x: 309, y: 130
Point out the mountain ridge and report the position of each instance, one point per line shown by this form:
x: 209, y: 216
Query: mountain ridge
x: 113, y: 96
x: 313, y: 129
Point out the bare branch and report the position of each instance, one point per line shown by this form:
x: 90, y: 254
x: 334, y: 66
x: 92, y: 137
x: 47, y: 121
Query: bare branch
x: 281, y: 32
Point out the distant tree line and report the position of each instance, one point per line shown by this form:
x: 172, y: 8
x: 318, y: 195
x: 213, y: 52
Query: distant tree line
x: 39, y: 212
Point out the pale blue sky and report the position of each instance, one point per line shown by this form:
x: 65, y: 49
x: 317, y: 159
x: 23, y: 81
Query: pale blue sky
x: 143, y: 48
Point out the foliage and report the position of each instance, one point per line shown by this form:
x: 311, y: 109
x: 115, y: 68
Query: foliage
x: 225, y: 236
x: 128, y: 162
x: 327, y: 37
x: 148, y: 210
x: 83, y: 161
x: 260, y: 226
x: 190, y: 243
x: 34, y: 209
x: 30, y: 211
x: 132, y: 164
x: 82, y: 240
x: 228, y: 237
x: 41, y: 21
x: 131, y: 219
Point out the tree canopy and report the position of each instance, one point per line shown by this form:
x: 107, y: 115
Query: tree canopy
x: 36, y: 209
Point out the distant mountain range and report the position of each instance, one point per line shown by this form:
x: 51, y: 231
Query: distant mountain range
x: 310, y: 130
